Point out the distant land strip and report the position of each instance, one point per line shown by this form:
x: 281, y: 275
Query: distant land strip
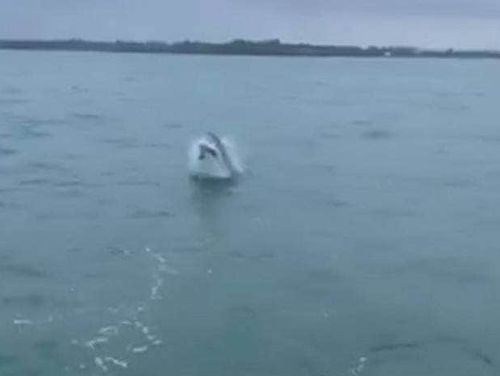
x: 272, y: 47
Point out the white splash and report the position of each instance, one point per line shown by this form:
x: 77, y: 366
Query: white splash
x: 213, y: 168
x: 108, y: 331
x: 96, y: 341
x: 22, y: 322
x: 355, y: 371
x: 117, y: 362
x: 99, y: 344
x: 140, y: 349
x: 99, y: 362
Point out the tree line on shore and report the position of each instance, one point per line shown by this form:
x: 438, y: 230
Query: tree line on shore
x: 273, y: 47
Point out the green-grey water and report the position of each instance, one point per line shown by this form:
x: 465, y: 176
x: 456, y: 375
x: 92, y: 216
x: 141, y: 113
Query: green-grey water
x: 361, y: 240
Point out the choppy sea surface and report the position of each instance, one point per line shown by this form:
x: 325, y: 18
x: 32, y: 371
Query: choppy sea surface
x: 363, y: 238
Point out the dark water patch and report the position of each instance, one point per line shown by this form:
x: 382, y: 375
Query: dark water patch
x: 114, y: 250
x: 29, y: 131
x: 35, y: 122
x: 241, y: 312
x: 488, y: 138
x: 124, y: 142
x: 11, y: 90
x: 94, y: 275
x: 9, y: 204
x: 86, y: 116
x: 106, y: 201
x: 45, y: 166
x: 7, y: 360
x: 23, y: 270
x: 459, y: 183
x: 467, y: 348
x: 335, y: 203
x: 5, y: 152
x: 188, y: 249
x: 76, y: 89
x: 108, y: 173
x: 483, y: 358
x: 447, y: 94
x: 457, y: 107
x: 30, y: 300
x: 323, y: 275
x: 47, y: 348
x: 253, y: 256
x: 138, y: 183
x: 172, y: 125
x: 28, y: 372
x: 361, y: 123
x: 321, y: 283
x: 74, y: 250
x: 389, y: 213
x: 72, y: 193
x: 67, y: 215
x: 34, y: 182
x: 145, y: 214
x: 7, y: 101
x: 377, y: 134
x: 446, y: 268
x: 69, y: 183
x: 395, y: 346
x: 329, y: 135
x: 330, y: 169
x: 290, y: 98
x: 72, y: 156
x: 321, y: 83
x: 125, y: 99
x: 154, y: 145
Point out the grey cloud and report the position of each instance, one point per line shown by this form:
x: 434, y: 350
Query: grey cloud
x: 460, y: 8
x: 428, y: 23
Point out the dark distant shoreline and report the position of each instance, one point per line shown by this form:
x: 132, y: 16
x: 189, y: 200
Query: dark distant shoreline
x: 272, y: 47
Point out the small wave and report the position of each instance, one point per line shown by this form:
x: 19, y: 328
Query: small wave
x: 7, y: 151
x: 30, y: 300
x: 30, y: 131
x: 69, y: 183
x: 145, y: 214
x: 44, y: 166
x: 123, y: 142
x: 13, y: 101
x: 22, y: 270
x: 361, y: 122
x: 395, y: 346
x: 86, y: 116
x: 137, y: 183
x: 35, y: 182
x: 173, y: 125
x: 377, y: 134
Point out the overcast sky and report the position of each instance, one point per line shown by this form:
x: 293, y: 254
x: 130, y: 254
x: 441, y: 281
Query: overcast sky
x: 425, y: 23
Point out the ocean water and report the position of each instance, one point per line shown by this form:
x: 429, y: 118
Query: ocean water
x: 363, y: 238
